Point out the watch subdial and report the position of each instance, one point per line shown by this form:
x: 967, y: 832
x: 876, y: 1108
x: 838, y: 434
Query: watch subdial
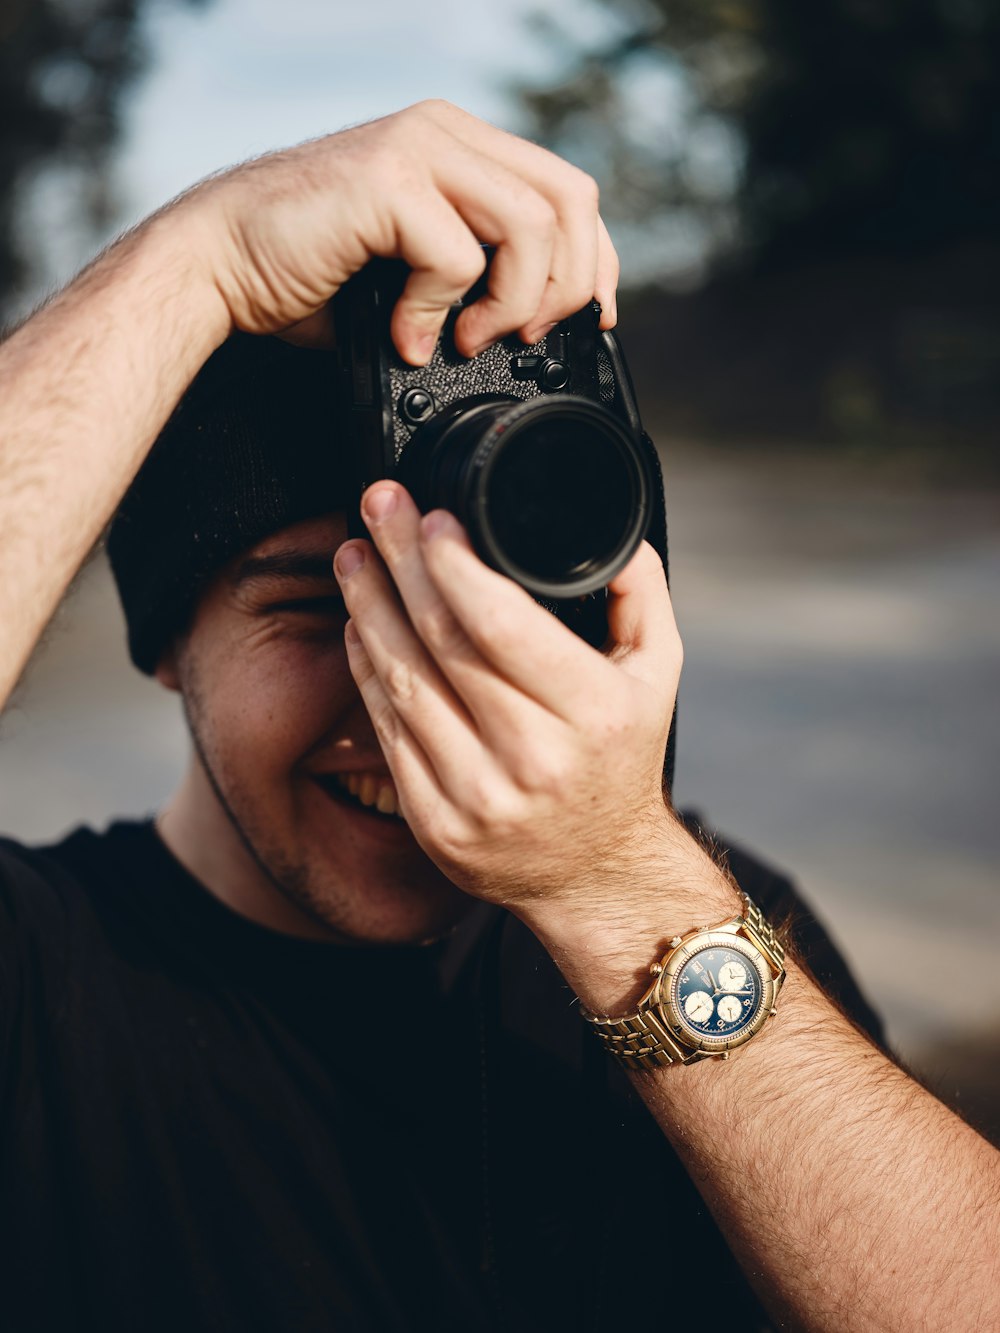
x: 732, y: 976
x: 698, y: 1006
x: 730, y: 1008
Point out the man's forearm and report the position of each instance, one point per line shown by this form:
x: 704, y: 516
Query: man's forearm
x: 853, y: 1199
x: 85, y: 385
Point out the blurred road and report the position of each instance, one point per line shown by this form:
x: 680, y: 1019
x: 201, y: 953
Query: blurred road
x: 839, y: 714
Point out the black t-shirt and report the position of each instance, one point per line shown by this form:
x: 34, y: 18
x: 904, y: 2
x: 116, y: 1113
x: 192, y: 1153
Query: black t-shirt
x: 210, y: 1126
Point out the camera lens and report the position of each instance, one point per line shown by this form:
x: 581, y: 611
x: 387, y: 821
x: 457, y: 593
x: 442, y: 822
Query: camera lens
x: 554, y: 492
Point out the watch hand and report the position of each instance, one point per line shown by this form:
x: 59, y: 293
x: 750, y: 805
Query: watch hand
x: 715, y: 984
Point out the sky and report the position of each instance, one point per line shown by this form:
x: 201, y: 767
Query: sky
x: 239, y: 77
x: 230, y: 79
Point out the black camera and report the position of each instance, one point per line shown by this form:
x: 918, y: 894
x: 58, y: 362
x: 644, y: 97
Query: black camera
x: 538, y: 450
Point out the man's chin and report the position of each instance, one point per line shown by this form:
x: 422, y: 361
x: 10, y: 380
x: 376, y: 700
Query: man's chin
x: 424, y: 908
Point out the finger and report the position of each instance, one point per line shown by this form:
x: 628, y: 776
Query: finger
x: 505, y: 211
x: 413, y: 686
x: 606, y: 280
x: 439, y: 236
x: 503, y: 716
x: 522, y: 641
x: 417, y: 785
x: 573, y: 277
x: 519, y: 277
x: 445, y: 260
x: 583, y: 251
x: 642, y: 631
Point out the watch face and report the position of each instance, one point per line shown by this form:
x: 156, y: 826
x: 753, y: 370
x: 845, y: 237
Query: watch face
x: 718, y: 990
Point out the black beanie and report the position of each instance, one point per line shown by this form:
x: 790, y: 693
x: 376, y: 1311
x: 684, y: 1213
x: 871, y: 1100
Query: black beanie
x: 254, y: 445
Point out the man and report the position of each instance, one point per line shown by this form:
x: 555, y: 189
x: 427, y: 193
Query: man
x: 238, y: 1096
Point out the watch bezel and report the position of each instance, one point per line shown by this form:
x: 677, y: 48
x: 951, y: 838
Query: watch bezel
x: 661, y: 993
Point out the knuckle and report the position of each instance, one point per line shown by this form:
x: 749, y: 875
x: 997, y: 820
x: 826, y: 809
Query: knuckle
x: 453, y: 841
x: 493, y: 632
x: 585, y: 190
x: 575, y: 293
x: 537, y: 216
x: 491, y: 806
x: 541, y: 772
x: 465, y: 264
x: 479, y: 794
x: 439, y: 629
x: 386, y: 726
x: 434, y: 108
x: 399, y: 682
x: 361, y: 665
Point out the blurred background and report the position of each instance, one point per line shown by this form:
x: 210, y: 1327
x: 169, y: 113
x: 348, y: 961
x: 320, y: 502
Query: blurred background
x: 806, y: 202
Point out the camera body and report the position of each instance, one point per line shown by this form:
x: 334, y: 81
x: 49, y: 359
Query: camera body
x: 539, y: 450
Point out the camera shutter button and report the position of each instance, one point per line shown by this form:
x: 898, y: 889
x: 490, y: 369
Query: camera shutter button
x: 416, y: 405
x: 553, y: 376
x: 549, y: 374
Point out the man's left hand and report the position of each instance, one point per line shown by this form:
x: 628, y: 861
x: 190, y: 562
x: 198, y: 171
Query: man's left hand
x: 527, y: 764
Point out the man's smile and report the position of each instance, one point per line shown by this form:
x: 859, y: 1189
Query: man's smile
x: 374, y: 793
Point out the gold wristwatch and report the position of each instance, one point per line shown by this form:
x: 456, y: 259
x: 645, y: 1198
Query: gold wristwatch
x: 714, y: 990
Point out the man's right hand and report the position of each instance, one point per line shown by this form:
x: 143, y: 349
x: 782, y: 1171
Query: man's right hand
x: 429, y: 184
x: 88, y: 382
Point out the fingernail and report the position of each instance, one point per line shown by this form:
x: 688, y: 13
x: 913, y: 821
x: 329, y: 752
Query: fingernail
x: 379, y: 503
x: 424, y: 345
x: 351, y: 634
x: 435, y: 523
x: 349, y: 560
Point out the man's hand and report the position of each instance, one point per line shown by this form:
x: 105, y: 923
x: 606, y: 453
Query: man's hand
x: 528, y: 764
x: 429, y: 184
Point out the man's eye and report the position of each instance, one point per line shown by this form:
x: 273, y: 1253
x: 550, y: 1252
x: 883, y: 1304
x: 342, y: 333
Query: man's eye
x: 316, y: 606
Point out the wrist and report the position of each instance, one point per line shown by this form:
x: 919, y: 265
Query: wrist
x: 181, y: 242
x: 604, y: 940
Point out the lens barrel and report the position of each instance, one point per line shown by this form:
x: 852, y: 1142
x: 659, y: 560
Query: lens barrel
x: 554, y: 492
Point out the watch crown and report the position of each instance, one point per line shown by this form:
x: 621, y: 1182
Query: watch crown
x: 655, y: 969
x: 675, y: 941
x: 725, y: 1055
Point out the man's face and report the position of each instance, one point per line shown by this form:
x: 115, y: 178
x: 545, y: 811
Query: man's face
x: 282, y: 734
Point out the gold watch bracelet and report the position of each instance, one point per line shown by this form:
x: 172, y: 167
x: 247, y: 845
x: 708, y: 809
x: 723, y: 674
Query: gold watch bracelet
x: 642, y: 1040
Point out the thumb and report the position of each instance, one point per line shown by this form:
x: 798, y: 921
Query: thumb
x: 642, y: 632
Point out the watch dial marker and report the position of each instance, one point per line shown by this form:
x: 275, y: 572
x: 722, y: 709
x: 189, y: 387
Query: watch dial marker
x: 732, y: 976
x: 698, y: 1006
x: 730, y: 1008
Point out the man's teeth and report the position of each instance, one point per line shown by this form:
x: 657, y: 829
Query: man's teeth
x: 373, y: 789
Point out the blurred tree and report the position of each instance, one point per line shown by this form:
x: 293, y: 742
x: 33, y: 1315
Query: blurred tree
x: 792, y: 131
x: 64, y: 65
